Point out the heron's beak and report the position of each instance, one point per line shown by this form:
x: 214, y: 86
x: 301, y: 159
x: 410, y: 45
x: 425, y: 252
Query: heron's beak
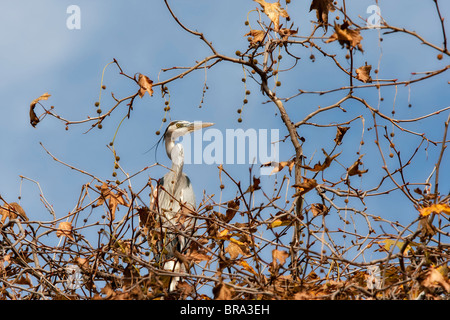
x: 199, y: 125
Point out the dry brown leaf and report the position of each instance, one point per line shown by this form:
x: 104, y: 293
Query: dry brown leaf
x: 24, y: 280
x: 363, y: 73
x: 223, y: 291
x: 354, y: 168
x: 282, y: 220
x: 319, y: 209
x: 146, y: 85
x: 234, y: 250
x: 348, y: 37
x: 285, y: 33
x: 340, y: 134
x: 113, y: 199
x: 65, y: 230
x: 278, y: 166
x: 305, y: 186
x: 435, y: 208
x: 34, y: 120
x: 257, y: 37
x: 273, y: 11
x: 320, y: 167
x: 322, y: 7
x: 279, y: 256
x: 83, y: 263
x: 246, y: 266
x: 233, y: 207
x: 198, y: 256
x: 436, y: 278
x: 11, y: 211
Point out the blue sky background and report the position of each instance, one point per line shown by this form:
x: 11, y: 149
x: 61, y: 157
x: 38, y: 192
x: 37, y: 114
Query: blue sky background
x: 40, y: 54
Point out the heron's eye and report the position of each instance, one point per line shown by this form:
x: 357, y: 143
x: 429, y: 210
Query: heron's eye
x: 179, y: 125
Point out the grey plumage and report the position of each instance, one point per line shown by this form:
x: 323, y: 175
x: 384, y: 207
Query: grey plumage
x: 174, y: 198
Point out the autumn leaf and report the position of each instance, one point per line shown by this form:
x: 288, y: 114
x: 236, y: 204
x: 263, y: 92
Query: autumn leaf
x: 24, y: 280
x: 348, y: 37
x: 322, y: 7
x: 304, y: 187
x: 65, y: 230
x: 278, y: 166
x: 198, y: 256
x: 285, y: 33
x: 273, y: 11
x: 363, y: 73
x: 255, y: 186
x: 340, y: 134
x: 113, y: 199
x: 224, y: 235
x: 145, y: 85
x: 234, y: 250
x: 354, y: 168
x: 83, y: 263
x: 233, y: 207
x: 436, y: 208
x: 436, y: 277
x: 282, y: 220
x: 320, y: 167
x: 279, y: 256
x: 255, y: 37
x: 319, y: 209
x: 11, y: 211
x: 388, y: 243
x: 34, y: 120
x: 246, y: 266
x: 223, y: 291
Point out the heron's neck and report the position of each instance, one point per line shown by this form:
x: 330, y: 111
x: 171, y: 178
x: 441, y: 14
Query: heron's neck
x: 176, y: 153
x: 169, y: 146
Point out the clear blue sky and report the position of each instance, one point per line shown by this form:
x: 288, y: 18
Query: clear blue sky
x: 40, y: 54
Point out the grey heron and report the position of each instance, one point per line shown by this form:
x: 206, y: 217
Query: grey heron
x: 173, y: 193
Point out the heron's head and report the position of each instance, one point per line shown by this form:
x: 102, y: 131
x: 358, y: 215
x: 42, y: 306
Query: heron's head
x: 179, y: 128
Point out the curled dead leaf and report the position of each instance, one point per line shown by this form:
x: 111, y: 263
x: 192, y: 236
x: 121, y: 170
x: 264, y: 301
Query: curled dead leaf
x: 198, y: 256
x: 146, y: 85
x: 320, y: 167
x: 12, y: 211
x: 34, y: 120
x: 273, y: 11
x: 363, y: 73
x: 222, y: 291
x: 319, y: 209
x: 285, y: 33
x: 340, y: 134
x: 279, y: 256
x: 65, y: 230
x: 436, y: 277
x: 112, y: 198
x: 349, y: 37
x: 354, y: 168
x: 246, y: 266
x: 306, y: 186
x: 281, y: 219
x: 257, y: 37
x: 278, y: 166
x: 234, y: 250
x: 322, y: 7
x: 233, y: 207
x: 435, y: 208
